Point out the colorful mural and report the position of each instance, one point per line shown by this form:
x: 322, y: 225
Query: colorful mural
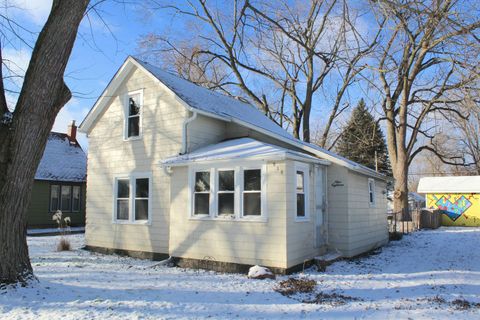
x: 457, y: 209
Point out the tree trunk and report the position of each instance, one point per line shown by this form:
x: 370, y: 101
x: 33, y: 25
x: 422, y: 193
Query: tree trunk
x: 400, y: 194
x: 23, y: 140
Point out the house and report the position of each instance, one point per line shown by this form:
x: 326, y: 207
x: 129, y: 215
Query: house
x: 178, y: 170
x: 457, y: 197
x: 60, y: 181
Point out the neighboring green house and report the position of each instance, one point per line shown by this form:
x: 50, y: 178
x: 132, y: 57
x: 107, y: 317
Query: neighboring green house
x: 60, y: 181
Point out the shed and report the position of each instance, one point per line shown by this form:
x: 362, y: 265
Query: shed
x: 457, y: 197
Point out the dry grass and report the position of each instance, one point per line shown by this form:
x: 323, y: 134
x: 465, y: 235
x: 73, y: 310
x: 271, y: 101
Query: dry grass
x: 293, y: 286
x: 333, y: 299
x: 64, y: 245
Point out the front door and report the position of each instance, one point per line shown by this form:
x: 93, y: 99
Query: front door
x: 320, y: 205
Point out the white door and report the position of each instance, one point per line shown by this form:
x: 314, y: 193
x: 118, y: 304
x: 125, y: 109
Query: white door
x: 320, y: 205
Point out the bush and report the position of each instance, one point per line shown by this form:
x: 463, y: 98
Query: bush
x: 63, y: 245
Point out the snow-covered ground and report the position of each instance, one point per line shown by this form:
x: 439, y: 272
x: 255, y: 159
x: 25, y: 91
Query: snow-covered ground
x: 417, y: 277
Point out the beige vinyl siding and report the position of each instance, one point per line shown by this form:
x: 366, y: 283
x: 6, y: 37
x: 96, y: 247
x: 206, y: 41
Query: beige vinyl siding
x: 337, y: 208
x: 300, y: 234
x: 367, y: 224
x: 110, y: 155
x: 245, y: 242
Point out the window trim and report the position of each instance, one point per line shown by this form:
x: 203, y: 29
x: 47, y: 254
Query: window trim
x: 371, y: 192
x: 217, y: 191
x: 132, y: 196
x: 210, y: 198
x: 126, y: 117
x: 305, y: 168
x: 238, y: 169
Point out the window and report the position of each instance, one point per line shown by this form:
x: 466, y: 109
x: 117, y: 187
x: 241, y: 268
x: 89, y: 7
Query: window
x: 252, y: 192
x: 300, y: 194
x: 202, y: 193
x: 226, y: 192
x: 301, y: 184
x: 54, y: 197
x: 65, y: 197
x: 133, y: 114
x: 141, y: 199
x: 76, y: 198
x: 132, y: 201
x: 371, y: 192
x: 123, y: 199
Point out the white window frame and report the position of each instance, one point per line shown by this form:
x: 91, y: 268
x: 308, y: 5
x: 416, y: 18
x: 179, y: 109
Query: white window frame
x: 217, y: 191
x: 263, y: 194
x: 305, y: 168
x: 371, y: 192
x: 238, y: 169
x: 126, y: 110
x: 193, y: 192
x: 131, y: 200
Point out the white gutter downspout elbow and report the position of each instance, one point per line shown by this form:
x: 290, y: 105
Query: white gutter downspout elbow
x: 184, y: 133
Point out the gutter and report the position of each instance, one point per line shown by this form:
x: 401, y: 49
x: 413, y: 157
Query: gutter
x: 184, y: 132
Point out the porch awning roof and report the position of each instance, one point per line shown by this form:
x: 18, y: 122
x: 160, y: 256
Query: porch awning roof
x: 240, y: 149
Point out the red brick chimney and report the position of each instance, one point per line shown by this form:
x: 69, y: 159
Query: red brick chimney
x: 72, y: 131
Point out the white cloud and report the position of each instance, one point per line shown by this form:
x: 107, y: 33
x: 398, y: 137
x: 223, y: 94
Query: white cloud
x: 36, y: 10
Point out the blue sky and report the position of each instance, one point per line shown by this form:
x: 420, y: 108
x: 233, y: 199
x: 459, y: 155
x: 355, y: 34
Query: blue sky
x: 97, y: 54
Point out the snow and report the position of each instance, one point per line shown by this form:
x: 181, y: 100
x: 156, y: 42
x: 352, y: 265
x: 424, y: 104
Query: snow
x: 235, y: 149
x: 62, y: 160
x: 231, y: 109
x: 259, y: 272
x: 452, y: 184
x: 418, y: 277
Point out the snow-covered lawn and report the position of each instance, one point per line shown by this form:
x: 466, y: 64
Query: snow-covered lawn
x: 417, y: 277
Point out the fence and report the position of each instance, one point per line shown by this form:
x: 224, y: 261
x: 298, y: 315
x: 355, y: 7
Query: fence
x: 410, y: 220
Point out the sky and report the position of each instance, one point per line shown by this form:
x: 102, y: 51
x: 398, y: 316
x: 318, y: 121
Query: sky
x: 103, y: 43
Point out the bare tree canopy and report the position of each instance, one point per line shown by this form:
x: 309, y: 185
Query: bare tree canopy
x: 419, y: 69
x: 282, y: 57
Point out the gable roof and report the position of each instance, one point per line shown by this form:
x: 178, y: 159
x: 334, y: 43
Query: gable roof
x: 216, y: 105
x: 62, y: 160
x: 239, y: 149
x: 452, y: 184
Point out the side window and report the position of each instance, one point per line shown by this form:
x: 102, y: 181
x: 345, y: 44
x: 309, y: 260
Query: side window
x: 122, y: 199
x: 76, y: 198
x: 300, y: 194
x: 66, y: 199
x: 54, y: 197
x: 252, y: 192
x: 141, y: 198
x: 201, y: 193
x: 371, y: 192
x: 133, y: 114
x: 226, y: 192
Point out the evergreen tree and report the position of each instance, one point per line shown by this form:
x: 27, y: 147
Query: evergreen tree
x: 363, y: 141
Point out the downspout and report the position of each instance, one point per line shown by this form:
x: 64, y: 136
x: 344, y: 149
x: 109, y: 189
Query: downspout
x: 326, y: 209
x: 184, y: 132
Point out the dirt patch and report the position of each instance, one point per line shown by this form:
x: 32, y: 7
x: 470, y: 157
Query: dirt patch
x: 293, y: 286
x: 333, y: 299
x: 459, y: 304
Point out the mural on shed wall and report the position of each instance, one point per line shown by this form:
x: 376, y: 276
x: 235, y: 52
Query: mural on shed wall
x: 457, y: 209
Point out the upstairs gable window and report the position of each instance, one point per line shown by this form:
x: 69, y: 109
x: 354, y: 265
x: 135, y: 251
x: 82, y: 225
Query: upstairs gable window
x: 133, y: 121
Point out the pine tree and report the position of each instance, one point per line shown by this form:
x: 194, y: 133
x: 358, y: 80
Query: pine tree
x: 362, y: 141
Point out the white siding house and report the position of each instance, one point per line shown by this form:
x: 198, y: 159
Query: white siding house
x: 177, y: 170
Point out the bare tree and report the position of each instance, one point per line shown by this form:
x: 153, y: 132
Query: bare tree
x: 279, y: 55
x: 420, y: 62
x: 24, y: 132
